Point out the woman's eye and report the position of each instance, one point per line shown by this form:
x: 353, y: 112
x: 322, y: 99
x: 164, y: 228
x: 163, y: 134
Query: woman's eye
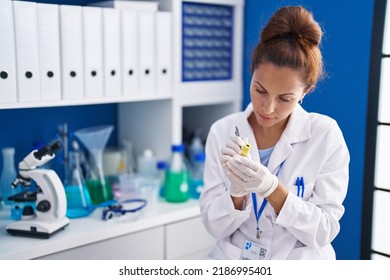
x: 285, y: 100
x: 261, y: 91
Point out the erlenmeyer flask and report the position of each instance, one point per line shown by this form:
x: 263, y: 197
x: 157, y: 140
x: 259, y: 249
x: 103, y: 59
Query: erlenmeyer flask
x: 95, y: 140
x: 77, y: 195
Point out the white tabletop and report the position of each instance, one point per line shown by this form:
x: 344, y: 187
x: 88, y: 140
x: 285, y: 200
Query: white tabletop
x: 83, y: 231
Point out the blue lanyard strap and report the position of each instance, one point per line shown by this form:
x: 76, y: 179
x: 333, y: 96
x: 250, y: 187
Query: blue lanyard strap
x: 263, y: 204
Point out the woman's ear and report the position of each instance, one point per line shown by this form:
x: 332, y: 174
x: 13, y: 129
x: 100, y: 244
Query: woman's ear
x: 307, y: 89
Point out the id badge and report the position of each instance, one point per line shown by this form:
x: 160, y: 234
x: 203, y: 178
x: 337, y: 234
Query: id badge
x: 255, y: 251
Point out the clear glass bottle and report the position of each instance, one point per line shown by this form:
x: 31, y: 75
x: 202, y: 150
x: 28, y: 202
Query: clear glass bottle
x: 77, y: 195
x: 8, y: 175
x: 197, y: 172
x: 196, y: 147
x: 177, y: 176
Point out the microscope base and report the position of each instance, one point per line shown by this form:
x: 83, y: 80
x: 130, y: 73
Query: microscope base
x: 37, y: 228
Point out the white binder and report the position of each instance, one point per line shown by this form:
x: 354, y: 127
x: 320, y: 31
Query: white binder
x: 129, y: 5
x: 27, y: 51
x: 112, y: 52
x: 93, y: 52
x: 147, y: 47
x: 164, y: 52
x: 130, y: 69
x: 71, y: 52
x: 49, y: 51
x: 8, y: 91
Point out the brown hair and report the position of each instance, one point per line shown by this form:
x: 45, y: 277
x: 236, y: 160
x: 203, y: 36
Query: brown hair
x: 291, y: 39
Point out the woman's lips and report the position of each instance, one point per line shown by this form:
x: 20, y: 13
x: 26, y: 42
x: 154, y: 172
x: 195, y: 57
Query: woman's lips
x: 264, y: 118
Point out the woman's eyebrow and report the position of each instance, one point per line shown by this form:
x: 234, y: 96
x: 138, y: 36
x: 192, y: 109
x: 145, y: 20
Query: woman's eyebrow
x: 256, y: 82
x: 260, y: 85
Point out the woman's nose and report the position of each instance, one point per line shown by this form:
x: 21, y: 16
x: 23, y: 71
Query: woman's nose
x: 269, y: 106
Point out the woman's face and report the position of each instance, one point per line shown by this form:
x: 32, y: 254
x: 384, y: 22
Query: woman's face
x: 275, y: 91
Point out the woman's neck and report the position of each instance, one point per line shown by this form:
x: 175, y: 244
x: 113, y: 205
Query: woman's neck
x: 266, y: 137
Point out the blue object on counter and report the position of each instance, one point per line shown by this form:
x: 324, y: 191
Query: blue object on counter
x: 86, y: 211
x: 121, y: 208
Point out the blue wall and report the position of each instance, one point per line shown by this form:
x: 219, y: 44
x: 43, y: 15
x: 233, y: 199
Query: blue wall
x: 341, y: 95
x: 21, y: 127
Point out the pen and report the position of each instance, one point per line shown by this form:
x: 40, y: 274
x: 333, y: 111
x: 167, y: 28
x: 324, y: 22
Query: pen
x: 302, y: 183
x: 298, y: 184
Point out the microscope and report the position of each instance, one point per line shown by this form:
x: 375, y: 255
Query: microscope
x: 49, y: 215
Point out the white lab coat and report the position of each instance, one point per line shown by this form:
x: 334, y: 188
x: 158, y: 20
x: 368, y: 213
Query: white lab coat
x: 312, y: 146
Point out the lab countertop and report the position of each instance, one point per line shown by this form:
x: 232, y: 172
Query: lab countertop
x: 87, y: 230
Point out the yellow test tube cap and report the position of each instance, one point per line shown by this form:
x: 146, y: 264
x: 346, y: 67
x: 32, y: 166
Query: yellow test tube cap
x: 245, y: 149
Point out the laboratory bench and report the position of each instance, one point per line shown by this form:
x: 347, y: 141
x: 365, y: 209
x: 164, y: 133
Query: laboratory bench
x: 166, y: 231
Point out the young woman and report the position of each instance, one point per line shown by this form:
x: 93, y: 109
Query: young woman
x: 285, y: 198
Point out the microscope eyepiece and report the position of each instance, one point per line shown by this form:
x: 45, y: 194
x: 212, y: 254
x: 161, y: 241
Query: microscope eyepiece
x: 48, y: 149
x: 57, y: 145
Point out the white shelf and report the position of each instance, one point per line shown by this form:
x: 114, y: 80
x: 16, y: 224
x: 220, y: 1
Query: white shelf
x: 57, y: 103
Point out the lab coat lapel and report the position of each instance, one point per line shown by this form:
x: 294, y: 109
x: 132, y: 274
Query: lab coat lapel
x: 297, y: 130
x: 281, y: 152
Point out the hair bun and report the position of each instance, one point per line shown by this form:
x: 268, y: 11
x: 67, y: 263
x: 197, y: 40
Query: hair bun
x: 294, y: 23
x: 291, y: 38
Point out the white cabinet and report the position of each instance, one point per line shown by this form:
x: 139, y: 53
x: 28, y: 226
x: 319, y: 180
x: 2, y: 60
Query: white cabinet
x: 180, y: 240
x: 143, y: 245
x: 187, y: 240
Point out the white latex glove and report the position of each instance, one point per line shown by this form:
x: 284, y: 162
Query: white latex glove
x: 231, y: 149
x: 251, y: 175
x: 233, y: 146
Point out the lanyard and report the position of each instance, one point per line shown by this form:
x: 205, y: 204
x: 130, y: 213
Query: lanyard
x: 260, y: 211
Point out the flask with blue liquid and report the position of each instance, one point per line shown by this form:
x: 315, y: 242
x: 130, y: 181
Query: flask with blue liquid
x: 78, y: 199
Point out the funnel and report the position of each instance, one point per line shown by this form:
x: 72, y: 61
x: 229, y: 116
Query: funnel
x: 95, y: 140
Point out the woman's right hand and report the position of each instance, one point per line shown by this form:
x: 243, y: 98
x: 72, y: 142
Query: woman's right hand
x: 232, y: 148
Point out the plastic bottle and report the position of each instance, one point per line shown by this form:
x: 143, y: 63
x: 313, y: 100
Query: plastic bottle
x: 147, y: 164
x: 8, y: 175
x: 196, y: 146
x: 177, y: 176
x: 197, y: 172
